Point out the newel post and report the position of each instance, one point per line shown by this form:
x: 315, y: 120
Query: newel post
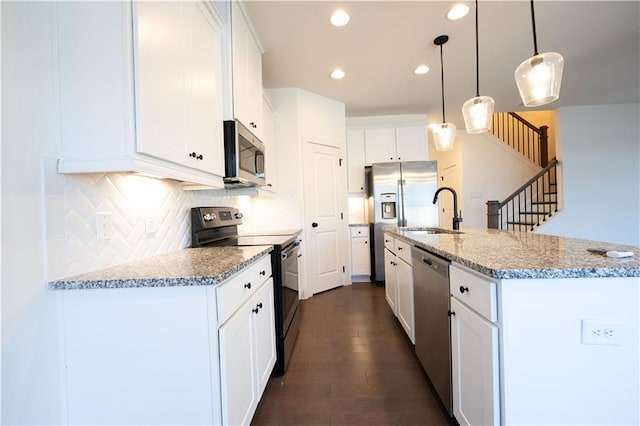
x: 544, y: 146
x: 493, y: 214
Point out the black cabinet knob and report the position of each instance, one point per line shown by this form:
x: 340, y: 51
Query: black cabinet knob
x: 247, y: 285
x: 263, y: 272
x: 255, y: 311
x: 451, y: 313
x: 200, y: 157
x: 259, y: 305
x: 463, y: 289
x: 314, y: 225
x: 192, y: 155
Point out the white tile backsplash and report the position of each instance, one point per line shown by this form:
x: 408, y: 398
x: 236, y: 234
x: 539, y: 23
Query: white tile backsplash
x: 129, y: 199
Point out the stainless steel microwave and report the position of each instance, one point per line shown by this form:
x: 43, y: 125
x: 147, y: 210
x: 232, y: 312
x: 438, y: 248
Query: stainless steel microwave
x: 243, y: 157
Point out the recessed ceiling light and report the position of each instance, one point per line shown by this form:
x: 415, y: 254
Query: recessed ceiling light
x: 337, y: 74
x: 422, y: 69
x: 457, y: 11
x: 340, y: 18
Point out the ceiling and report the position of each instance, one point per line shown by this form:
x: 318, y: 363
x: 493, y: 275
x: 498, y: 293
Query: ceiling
x: 386, y: 40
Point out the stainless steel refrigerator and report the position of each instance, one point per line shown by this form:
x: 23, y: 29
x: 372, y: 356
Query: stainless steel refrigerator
x: 400, y: 194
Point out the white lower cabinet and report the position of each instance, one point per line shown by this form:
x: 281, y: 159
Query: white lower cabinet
x: 360, y: 253
x: 475, y: 368
x: 247, y: 356
x: 404, y: 282
x: 398, y: 275
x: 391, y: 280
x: 168, y: 355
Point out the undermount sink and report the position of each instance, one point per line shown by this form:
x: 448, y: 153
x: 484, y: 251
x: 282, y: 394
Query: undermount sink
x: 426, y: 231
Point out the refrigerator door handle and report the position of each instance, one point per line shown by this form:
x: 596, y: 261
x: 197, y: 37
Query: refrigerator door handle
x: 402, y: 220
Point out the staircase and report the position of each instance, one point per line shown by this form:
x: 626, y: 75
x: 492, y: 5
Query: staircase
x: 536, y: 201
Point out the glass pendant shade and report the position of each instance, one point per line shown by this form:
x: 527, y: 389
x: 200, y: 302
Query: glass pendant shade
x: 444, y: 135
x: 478, y: 114
x: 538, y: 79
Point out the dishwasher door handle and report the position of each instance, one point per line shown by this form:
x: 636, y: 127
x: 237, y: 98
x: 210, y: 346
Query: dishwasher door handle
x: 427, y: 260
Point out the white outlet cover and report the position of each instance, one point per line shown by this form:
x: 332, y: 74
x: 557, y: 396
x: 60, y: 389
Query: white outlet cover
x: 104, y: 226
x: 150, y: 226
x: 602, y: 332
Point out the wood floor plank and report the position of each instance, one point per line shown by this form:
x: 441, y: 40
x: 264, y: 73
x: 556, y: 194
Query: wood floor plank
x: 352, y: 365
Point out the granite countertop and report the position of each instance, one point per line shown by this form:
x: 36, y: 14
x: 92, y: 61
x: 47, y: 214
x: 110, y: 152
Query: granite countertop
x: 187, y: 267
x: 517, y: 255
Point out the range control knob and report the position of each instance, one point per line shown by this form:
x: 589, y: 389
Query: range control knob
x: 237, y: 215
x: 208, y: 217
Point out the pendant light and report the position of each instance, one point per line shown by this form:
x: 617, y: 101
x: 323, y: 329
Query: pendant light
x: 444, y: 133
x: 539, y: 77
x: 478, y: 111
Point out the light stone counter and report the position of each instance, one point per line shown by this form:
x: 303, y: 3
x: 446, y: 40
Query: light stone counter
x: 517, y: 255
x: 187, y: 267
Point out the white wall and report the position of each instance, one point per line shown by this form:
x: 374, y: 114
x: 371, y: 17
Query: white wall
x: 491, y: 171
x: 599, y: 147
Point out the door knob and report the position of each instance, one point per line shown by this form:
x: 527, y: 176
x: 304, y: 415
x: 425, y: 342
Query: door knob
x: 314, y: 225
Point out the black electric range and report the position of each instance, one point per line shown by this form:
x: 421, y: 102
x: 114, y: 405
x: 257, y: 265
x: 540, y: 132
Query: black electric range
x: 218, y: 226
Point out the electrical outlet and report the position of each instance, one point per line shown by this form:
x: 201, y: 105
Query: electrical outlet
x: 104, y: 226
x: 150, y: 226
x: 595, y: 332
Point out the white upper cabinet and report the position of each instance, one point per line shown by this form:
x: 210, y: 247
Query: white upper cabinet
x: 143, y: 90
x: 396, y: 144
x: 411, y: 143
x: 247, y: 72
x: 270, y: 146
x: 380, y: 145
x: 355, y: 161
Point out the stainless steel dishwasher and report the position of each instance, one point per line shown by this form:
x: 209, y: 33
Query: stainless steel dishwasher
x: 432, y: 325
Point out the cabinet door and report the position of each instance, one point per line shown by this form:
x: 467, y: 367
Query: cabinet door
x: 203, y: 89
x: 355, y: 161
x: 411, y: 143
x: 475, y: 371
x: 360, y: 256
x: 270, y: 146
x: 405, y: 298
x: 265, y: 334
x: 254, y: 84
x: 390, y: 280
x: 237, y: 368
x: 379, y: 145
x: 160, y: 80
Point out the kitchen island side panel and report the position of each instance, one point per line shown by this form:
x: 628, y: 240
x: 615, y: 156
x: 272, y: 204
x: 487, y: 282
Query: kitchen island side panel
x: 548, y: 375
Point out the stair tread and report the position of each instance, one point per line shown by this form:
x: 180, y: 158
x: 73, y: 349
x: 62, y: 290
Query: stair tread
x: 538, y: 213
x: 543, y: 202
x: 521, y: 223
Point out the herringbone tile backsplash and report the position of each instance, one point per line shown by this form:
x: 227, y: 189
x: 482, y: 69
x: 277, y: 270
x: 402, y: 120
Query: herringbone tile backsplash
x: 129, y: 200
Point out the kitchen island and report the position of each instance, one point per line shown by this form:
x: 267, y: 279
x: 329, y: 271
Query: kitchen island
x: 186, y: 337
x: 542, y: 331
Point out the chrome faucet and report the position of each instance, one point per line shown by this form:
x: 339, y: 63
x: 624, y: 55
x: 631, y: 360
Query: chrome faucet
x: 456, y: 219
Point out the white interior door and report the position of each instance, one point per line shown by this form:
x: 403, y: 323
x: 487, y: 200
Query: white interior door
x: 324, y: 184
x: 448, y: 177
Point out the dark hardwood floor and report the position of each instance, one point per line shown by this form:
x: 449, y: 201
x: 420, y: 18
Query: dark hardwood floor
x: 351, y: 366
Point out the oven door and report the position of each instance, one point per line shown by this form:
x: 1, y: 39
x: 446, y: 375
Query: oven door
x: 290, y: 284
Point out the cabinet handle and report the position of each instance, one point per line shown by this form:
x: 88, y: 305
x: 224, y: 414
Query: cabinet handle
x: 399, y: 248
x: 255, y: 311
x: 269, y: 184
x: 299, y: 255
x: 451, y: 313
x: 463, y: 289
x: 259, y: 305
x: 200, y: 157
x: 193, y: 155
x: 247, y: 285
x: 399, y: 158
x: 263, y: 272
x: 366, y: 242
x: 390, y: 158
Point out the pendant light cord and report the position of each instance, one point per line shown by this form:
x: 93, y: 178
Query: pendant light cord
x: 533, y: 24
x: 442, y: 80
x: 477, y: 56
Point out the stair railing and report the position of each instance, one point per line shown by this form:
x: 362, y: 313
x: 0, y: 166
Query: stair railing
x: 524, y: 137
x: 529, y: 206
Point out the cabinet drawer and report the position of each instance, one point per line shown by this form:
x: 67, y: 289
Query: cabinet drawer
x: 390, y: 243
x: 403, y: 251
x: 476, y: 291
x: 240, y: 287
x: 359, y: 231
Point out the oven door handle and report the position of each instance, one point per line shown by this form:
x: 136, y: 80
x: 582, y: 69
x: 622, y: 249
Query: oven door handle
x: 292, y: 248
